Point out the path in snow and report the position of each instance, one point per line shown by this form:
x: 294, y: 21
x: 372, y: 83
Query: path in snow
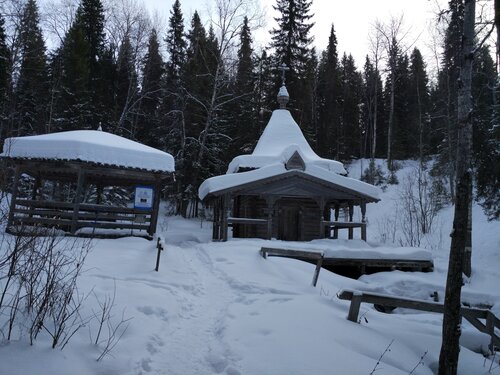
x: 196, y: 347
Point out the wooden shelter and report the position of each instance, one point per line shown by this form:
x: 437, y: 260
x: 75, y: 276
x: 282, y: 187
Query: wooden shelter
x: 284, y: 190
x: 78, y: 160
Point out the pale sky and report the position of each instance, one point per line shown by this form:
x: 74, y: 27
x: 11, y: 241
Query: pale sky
x: 352, y: 19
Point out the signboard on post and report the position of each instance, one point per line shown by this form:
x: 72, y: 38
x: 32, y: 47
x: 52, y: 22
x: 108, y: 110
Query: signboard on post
x: 143, y: 197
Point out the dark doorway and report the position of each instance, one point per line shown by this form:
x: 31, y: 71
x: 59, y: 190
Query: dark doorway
x: 290, y: 223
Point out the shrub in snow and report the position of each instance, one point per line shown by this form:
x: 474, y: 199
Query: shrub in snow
x: 374, y: 175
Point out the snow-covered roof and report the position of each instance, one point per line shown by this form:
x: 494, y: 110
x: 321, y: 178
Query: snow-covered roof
x: 228, y: 181
x: 281, y: 137
x: 90, y: 146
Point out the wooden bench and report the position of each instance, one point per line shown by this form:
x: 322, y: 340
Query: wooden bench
x: 296, y: 254
x: 471, y: 314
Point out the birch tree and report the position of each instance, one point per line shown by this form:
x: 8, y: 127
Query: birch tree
x: 460, y: 238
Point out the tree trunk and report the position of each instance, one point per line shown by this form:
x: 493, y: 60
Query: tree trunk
x: 448, y: 358
x: 391, y: 120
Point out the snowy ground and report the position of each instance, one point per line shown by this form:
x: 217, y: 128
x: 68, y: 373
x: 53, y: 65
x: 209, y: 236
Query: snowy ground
x: 220, y: 308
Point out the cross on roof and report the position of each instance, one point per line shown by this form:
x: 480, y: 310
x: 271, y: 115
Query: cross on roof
x: 283, y: 69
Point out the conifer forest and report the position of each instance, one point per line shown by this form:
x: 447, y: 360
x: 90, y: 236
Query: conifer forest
x: 202, y: 88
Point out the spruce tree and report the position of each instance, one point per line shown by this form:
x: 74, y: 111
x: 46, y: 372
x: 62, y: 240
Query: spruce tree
x: 486, y: 132
x: 349, y: 135
x: 328, y: 99
x: 292, y: 41
x: 151, y: 93
x: 444, y: 124
x: 403, y: 146
x: 5, y: 81
x: 418, y: 120
x: 85, y: 84
x: 244, y: 127
x: 373, y: 111
x: 176, y: 46
x: 172, y: 137
x: 126, y: 90
x: 32, y: 86
x: 197, y: 85
x: 70, y: 76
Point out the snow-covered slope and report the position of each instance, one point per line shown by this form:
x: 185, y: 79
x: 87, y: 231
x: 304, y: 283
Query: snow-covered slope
x: 220, y: 308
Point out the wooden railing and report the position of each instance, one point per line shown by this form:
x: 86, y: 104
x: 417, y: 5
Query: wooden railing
x: 244, y: 220
x: 350, y: 225
x: 71, y: 217
x: 313, y: 256
x: 471, y: 314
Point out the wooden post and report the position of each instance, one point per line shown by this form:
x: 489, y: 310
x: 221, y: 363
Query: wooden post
x: 363, y: 220
x: 336, y: 230
x: 156, y: 208
x: 354, y: 308
x: 17, y: 174
x: 99, y: 192
x: 78, y: 199
x: 36, y: 187
x: 225, y: 206
x: 490, y: 328
x: 270, y: 206
x: 321, y: 203
x: 351, y: 213
x: 316, y: 271
x: 159, y: 246
x: 215, y: 231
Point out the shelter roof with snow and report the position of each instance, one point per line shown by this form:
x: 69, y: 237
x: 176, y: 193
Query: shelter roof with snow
x: 85, y: 164
x: 90, y: 146
x: 284, y: 189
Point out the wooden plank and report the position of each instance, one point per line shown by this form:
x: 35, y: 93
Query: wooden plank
x: 245, y: 220
x: 81, y: 215
x: 83, y: 206
x: 408, y: 303
x: 42, y: 221
x: 343, y: 224
x: 79, y: 224
x: 397, y: 263
x: 289, y: 253
x: 112, y: 225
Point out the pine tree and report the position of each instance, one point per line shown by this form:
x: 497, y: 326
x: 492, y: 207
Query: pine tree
x: 292, y: 43
x: 32, y: 86
x: 328, y: 100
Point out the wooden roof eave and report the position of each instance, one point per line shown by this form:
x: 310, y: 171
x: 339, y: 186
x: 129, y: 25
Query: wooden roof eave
x: 67, y: 170
x: 240, y: 189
